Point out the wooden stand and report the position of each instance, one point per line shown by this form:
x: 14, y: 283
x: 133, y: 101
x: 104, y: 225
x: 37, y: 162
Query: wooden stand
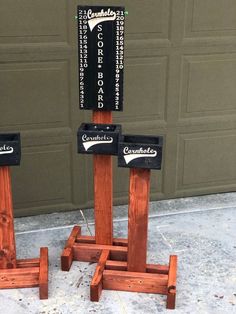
x: 86, y: 248
x: 121, y: 262
x: 17, y: 273
x: 131, y: 272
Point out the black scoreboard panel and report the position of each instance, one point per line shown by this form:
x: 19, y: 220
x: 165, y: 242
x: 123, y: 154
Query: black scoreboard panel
x: 101, y: 57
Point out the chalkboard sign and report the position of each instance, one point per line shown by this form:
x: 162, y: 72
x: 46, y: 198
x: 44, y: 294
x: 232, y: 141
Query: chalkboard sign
x: 10, y: 149
x: 98, y: 138
x: 101, y: 57
x: 140, y: 151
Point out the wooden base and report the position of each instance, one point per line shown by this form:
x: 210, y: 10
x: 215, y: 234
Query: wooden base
x: 84, y: 249
x: 111, y: 271
x: 113, y: 275
x: 27, y: 274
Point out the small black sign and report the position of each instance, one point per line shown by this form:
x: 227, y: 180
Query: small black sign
x: 10, y: 149
x: 101, y: 57
x: 98, y: 138
x: 140, y: 151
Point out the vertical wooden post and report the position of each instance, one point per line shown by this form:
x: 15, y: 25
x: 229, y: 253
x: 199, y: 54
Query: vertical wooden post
x: 103, y: 190
x: 138, y: 219
x: 171, y: 295
x: 7, y: 237
x: 43, y: 273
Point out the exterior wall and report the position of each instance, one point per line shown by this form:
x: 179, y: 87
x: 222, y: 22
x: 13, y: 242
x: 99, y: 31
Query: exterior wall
x: 180, y: 73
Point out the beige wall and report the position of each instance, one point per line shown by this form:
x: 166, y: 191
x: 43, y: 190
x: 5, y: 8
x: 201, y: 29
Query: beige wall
x: 180, y: 79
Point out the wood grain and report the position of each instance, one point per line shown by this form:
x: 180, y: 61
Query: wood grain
x: 7, y: 237
x: 19, y: 278
x: 67, y: 254
x: 43, y: 273
x: 31, y: 262
x: 138, y: 219
x: 96, y: 284
x: 134, y: 281
x: 91, y: 252
x: 103, y: 188
x: 171, y: 296
x: 150, y: 268
x: 91, y: 239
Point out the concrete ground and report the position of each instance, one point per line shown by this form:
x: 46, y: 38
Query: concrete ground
x: 200, y: 230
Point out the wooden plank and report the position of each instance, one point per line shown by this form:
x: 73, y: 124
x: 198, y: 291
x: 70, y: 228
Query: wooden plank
x: 116, y: 265
x: 91, y: 239
x: 7, y: 235
x: 43, y: 273
x: 31, y: 262
x: 150, y: 268
x: 19, y: 271
x: 171, y: 296
x: 103, y: 117
x: 138, y: 219
x: 103, y: 189
x: 91, y: 252
x: 135, y: 281
x: 19, y: 278
x: 96, y: 284
x: 85, y: 239
x: 67, y: 254
x: 120, y: 242
x: 103, y: 199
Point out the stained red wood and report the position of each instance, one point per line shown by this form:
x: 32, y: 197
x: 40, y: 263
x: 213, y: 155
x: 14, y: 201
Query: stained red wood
x: 103, y: 199
x: 135, y: 281
x: 138, y: 219
x: 19, y: 278
x: 103, y: 188
x: 31, y: 262
x: 96, y: 284
x: 91, y: 252
x: 150, y: 268
x: 103, y: 117
x: 120, y: 242
x: 7, y: 236
x: 43, y: 273
x: 17, y: 273
x: 67, y: 254
x: 171, y: 296
x: 91, y: 239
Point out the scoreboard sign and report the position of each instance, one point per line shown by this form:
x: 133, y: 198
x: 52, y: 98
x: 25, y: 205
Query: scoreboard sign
x: 101, y: 57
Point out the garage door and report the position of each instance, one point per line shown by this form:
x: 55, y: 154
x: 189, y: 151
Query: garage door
x: 180, y: 79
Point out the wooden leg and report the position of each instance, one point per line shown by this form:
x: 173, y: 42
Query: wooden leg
x: 103, y: 199
x: 103, y: 189
x: 171, y: 295
x: 96, y: 284
x: 138, y: 219
x: 7, y: 237
x: 67, y: 254
x: 43, y: 273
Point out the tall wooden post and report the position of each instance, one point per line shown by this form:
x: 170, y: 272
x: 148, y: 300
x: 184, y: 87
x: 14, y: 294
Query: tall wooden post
x: 7, y: 238
x: 103, y: 189
x: 138, y: 219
